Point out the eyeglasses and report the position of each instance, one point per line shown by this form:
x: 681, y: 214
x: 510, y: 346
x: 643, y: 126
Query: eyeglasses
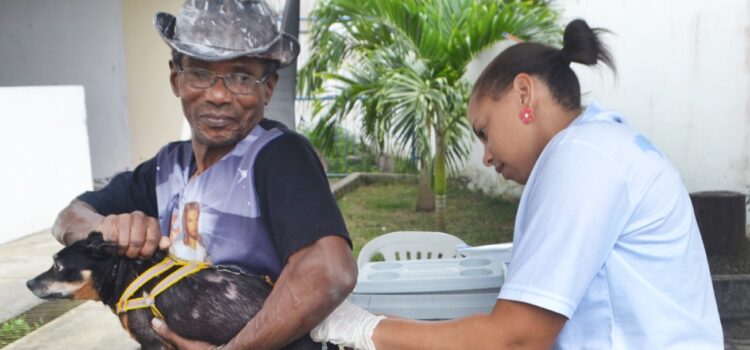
x: 238, y: 83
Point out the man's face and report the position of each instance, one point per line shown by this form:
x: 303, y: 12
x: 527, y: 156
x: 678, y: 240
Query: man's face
x: 219, y: 117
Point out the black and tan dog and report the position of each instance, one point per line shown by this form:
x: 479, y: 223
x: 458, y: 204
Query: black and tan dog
x: 211, y: 305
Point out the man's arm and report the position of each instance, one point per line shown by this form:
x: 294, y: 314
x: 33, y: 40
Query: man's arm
x: 314, y: 281
x: 75, y: 222
x: 123, y: 211
x: 137, y: 234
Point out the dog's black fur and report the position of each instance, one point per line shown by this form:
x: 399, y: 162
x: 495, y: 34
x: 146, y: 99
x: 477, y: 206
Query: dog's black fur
x: 211, y: 305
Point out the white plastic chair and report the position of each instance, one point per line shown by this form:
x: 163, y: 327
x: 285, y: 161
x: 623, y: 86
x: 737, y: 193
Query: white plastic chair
x: 411, y: 245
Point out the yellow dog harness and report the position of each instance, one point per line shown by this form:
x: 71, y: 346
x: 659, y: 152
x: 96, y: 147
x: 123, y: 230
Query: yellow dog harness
x: 184, y: 269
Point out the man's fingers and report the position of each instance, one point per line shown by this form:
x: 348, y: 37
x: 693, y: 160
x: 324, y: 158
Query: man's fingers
x: 153, y: 238
x: 138, y: 234
x: 165, y: 242
x: 164, y: 332
x: 175, y: 340
x: 107, y: 228
x: 122, y: 230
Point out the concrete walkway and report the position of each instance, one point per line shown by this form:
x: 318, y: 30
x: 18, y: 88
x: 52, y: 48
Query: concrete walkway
x: 89, y: 326
x: 21, y: 260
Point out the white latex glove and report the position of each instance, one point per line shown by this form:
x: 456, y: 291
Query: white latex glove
x: 348, y: 325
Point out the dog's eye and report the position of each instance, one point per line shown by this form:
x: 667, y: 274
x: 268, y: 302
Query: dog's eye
x: 58, y: 267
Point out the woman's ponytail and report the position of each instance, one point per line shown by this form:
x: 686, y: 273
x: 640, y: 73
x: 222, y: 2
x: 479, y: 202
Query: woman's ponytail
x: 581, y: 44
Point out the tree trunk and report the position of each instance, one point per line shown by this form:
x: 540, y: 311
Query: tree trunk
x: 440, y: 212
x: 386, y: 163
x: 425, y: 198
x: 721, y: 220
x: 441, y: 182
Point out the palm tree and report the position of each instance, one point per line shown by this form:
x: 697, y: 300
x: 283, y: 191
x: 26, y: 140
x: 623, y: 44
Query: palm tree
x: 399, y: 64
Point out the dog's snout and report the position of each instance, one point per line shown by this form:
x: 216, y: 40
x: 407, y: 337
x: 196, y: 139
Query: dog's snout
x: 30, y: 284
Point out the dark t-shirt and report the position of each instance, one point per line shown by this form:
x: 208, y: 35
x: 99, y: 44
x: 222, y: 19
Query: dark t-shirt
x: 295, y: 199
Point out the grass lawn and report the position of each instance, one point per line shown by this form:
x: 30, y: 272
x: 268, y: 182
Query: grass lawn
x: 373, y: 210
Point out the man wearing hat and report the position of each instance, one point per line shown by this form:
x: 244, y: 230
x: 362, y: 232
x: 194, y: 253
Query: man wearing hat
x: 244, y: 191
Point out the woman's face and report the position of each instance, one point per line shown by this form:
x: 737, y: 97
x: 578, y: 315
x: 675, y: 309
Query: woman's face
x: 509, y: 145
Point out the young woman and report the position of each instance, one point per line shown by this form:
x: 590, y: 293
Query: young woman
x: 606, y: 250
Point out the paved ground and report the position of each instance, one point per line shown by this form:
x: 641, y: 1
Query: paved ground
x: 93, y: 326
x: 89, y: 326
x: 21, y: 260
x: 737, y: 334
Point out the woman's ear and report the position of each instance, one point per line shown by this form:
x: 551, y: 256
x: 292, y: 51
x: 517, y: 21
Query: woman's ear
x: 173, y: 79
x: 524, y: 86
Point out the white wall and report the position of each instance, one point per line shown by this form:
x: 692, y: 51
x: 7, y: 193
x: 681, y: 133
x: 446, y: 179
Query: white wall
x: 155, y: 113
x: 45, y: 155
x: 684, y: 80
x: 73, y: 42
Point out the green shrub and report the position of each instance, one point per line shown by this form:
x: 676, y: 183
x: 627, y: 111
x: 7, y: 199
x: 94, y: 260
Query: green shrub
x: 352, y: 154
x: 14, y: 329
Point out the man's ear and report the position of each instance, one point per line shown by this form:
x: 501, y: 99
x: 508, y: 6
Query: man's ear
x: 270, y: 85
x: 173, y: 79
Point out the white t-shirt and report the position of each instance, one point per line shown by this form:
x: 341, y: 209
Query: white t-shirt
x: 606, y: 236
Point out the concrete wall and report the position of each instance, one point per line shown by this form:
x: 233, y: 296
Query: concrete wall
x: 282, y: 105
x: 155, y: 113
x: 684, y: 80
x: 73, y: 42
x: 46, y: 155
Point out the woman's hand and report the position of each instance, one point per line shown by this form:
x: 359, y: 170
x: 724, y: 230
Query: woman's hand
x: 348, y: 325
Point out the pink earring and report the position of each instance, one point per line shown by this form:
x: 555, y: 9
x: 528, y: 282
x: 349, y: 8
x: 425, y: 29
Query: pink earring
x: 526, y: 115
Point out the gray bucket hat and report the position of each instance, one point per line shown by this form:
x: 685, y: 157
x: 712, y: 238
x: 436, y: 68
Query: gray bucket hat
x: 219, y: 30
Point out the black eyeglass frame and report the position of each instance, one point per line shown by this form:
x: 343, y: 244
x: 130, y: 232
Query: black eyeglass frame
x: 216, y: 78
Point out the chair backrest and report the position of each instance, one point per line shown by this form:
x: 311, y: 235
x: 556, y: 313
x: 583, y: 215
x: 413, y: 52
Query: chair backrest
x: 410, y: 245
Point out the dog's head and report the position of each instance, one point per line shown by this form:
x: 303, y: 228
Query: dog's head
x: 71, y: 274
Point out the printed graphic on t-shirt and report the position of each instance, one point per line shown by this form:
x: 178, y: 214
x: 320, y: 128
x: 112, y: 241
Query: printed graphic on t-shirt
x: 645, y: 145
x: 216, y: 213
x: 187, y: 242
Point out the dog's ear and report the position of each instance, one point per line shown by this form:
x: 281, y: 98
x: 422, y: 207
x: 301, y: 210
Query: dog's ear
x: 95, y: 241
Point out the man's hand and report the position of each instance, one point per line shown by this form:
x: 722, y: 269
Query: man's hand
x: 177, y: 341
x: 137, y: 235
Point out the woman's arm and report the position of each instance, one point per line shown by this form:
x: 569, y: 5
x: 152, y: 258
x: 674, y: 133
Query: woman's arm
x: 510, y: 325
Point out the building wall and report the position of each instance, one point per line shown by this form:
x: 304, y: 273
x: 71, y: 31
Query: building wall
x: 683, y: 80
x: 74, y: 42
x: 282, y: 105
x: 45, y: 146
x: 155, y: 113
